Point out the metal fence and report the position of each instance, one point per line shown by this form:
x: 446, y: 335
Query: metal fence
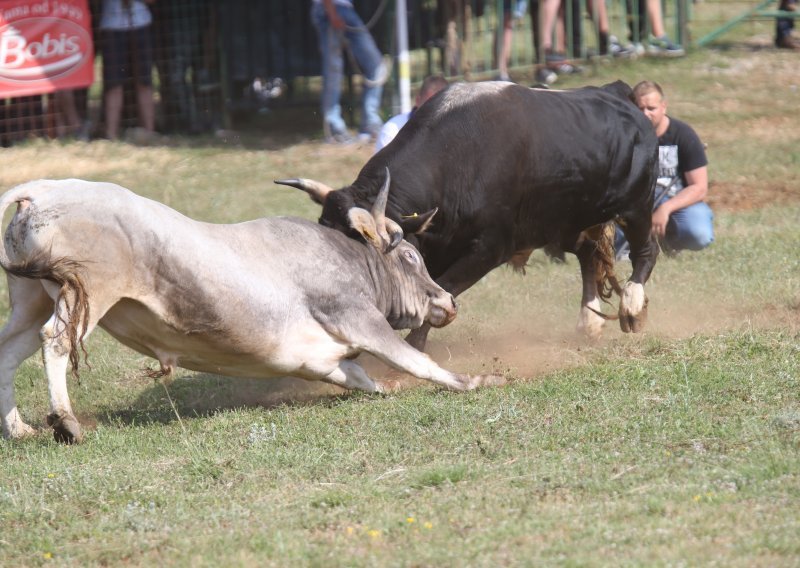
x: 215, y: 61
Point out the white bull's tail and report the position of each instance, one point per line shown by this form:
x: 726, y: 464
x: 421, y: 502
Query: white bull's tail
x: 20, y: 195
x: 72, y: 302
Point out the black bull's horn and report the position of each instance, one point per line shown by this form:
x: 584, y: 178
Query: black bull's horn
x: 317, y: 190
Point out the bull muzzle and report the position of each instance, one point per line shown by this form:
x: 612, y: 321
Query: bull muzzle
x: 443, y: 310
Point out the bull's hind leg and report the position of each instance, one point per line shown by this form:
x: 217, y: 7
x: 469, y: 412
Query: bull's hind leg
x: 19, y: 339
x: 61, y: 336
x: 590, y: 323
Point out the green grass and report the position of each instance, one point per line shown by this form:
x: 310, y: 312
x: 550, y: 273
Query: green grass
x: 676, y: 447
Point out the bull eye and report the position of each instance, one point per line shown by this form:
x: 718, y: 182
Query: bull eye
x: 411, y: 256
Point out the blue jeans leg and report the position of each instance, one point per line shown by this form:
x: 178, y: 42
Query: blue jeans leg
x: 690, y: 228
x: 330, y: 48
x: 369, y: 59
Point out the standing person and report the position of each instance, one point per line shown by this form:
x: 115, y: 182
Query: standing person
x: 338, y: 28
x: 430, y: 86
x: 784, y: 27
x: 127, y: 53
x: 681, y: 218
x: 505, y: 35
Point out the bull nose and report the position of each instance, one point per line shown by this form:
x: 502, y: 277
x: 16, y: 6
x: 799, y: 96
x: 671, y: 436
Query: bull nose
x: 453, y: 303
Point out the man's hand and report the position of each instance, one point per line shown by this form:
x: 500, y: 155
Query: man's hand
x: 660, y: 220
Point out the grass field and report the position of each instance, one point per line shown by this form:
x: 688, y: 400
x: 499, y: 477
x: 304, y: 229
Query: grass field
x: 676, y: 447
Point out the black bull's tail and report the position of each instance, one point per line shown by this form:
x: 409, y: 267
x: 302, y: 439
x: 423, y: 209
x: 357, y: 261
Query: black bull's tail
x: 605, y: 278
x: 607, y: 283
x: 72, y: 303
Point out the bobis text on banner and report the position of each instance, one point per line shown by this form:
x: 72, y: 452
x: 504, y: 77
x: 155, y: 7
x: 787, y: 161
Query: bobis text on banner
x: 45, y: 46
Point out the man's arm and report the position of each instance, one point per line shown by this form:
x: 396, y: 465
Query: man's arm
x: 694, y: 192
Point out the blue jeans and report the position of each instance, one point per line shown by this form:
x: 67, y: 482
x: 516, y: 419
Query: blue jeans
x: 368, y: 58
x: 690, y: 228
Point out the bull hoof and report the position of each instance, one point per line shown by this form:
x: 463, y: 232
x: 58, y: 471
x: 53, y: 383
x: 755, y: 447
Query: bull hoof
x: 18, y: 431
x: 590, y: 324
x: 486, y: 381
x: 66, y: 428
x: 633, y: 308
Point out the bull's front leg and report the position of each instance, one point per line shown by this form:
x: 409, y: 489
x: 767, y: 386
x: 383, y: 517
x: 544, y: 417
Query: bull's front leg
x: 487, y: 254
x: 384, y: 344
x: 643, y: 254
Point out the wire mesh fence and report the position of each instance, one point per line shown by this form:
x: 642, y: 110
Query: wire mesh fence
x: 212, y: 61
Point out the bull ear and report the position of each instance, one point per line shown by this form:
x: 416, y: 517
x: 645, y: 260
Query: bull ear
x: 416, y: 224
x: 316, y: 190
x: 362, y: 221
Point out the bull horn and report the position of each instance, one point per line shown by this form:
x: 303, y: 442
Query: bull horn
x: 317, y: 190
x: 390, y: 232
x: 379, y: 207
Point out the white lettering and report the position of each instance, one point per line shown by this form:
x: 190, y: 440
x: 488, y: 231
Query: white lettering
x: 11, y: 50
x: 15, y: 51
x: 15, y: 13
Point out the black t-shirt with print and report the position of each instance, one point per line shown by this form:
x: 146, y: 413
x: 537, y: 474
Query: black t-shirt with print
x: 679, y: 151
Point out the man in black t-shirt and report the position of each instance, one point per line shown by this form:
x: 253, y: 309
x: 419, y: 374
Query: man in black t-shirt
x: 681, y: 218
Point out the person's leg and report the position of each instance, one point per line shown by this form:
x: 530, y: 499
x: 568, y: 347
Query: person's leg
x: 330, y: 47
x: 549, y: 14
x: 146, y: 106
x: 656, y: 18
x: 67, y: 120
x: 113, y: 102
x: 690, y: 228
x: 115, y: 70
x: 505, y: 47
x: 144, y: 79
x: 370, y: 61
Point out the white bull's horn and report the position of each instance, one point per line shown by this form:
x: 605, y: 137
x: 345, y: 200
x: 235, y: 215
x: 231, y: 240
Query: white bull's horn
x: 379, y: 210
x: 379, y: 207
x: 317, y: 190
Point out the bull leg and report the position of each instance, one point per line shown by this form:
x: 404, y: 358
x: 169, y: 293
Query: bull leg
x: 460, y: 276
x: 56, y: 349
x: 644, y: 251
x: 19, y: 339
x: 384, y: 344
x: 352, y: 376
x: 590, y: 323
x: 418, y: 338
x: 55, y: 353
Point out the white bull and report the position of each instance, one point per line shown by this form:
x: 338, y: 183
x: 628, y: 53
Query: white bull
x: 264, y: 298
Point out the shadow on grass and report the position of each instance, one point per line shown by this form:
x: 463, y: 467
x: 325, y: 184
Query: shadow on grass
x: 205, y: 395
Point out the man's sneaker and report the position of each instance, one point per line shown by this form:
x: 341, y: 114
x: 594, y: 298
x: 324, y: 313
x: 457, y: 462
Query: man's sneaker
x: 664, y: 47
x: 567, y: 69
x: 339, y: 138
x: 545, y: 77
x: 787, y: 42
x: 616, y: 49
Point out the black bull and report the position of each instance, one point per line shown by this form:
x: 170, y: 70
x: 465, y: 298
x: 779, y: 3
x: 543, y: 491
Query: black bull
x: 511, y: 169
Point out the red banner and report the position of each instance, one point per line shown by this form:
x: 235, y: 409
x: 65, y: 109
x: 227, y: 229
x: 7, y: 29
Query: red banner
x: 45, y: 46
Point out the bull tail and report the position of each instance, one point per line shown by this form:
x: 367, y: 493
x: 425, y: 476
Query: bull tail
x: 72, y: 302
x: 6, y: 200
x: 605, y: 277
